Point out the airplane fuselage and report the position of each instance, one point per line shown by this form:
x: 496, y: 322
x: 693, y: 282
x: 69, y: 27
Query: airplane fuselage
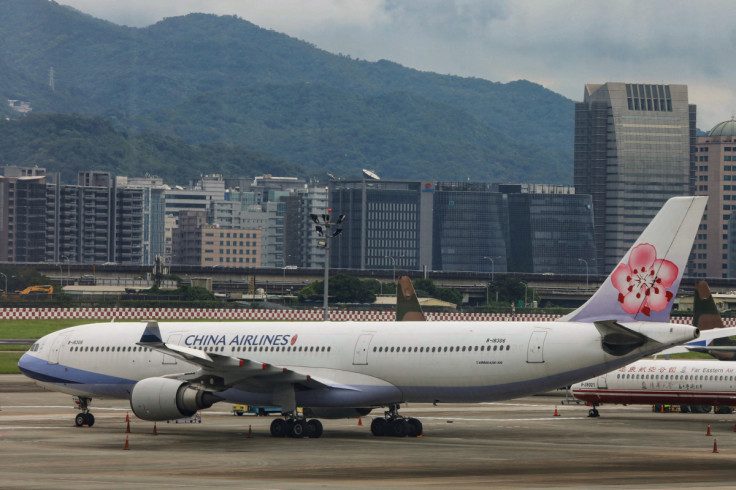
x: 664, y: 382
x: 364, y: 364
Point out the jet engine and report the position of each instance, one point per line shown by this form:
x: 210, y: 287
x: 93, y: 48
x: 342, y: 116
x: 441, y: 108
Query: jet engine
x: 168, y: 399
x: 335, y: 413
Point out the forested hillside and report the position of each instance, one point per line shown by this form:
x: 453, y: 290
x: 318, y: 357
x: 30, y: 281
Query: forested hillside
x: 69, y: 144
x: 209, y: 79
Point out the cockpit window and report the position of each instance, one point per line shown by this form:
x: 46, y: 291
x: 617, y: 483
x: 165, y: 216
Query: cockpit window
x: 34, y: 347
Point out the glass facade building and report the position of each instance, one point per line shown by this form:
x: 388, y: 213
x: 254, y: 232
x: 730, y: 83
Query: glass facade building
x: 388, y: 224
x: 469, y: 231
x: 551, y: 233
x: 634, y: 149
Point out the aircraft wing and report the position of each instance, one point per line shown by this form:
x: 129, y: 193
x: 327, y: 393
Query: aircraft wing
x: 218, y: 372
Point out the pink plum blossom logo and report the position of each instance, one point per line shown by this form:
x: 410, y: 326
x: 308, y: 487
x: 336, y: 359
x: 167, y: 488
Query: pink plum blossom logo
x: 642, y: 283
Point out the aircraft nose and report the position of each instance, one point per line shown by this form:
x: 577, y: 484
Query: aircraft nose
x: 24, y: 364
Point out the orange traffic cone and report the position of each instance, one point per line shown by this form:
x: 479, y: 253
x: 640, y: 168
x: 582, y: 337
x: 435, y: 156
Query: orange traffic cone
x: 661, y: 409
x: 708, y: 433
x: 127, y: 428
x: 155, y: 432
x: 360, y: 420
x: 556, y: 414
x: 250, y: 432
x: 715, y: 445
x: 127, y: 417
x: 127, y: 446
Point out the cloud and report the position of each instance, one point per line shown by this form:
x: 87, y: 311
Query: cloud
x: 562, y: 44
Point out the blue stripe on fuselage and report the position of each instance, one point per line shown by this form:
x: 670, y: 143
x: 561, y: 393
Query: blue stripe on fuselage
x: 68, y: 377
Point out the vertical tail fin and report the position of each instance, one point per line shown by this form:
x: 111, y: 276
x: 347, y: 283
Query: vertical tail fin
x: 705, y: 313
x: 642, y: 286
x: 407, y: 303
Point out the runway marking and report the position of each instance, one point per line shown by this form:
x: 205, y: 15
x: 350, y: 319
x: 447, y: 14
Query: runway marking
x: 11, y: 428
x: 65, y: 407
x: 505, y: 420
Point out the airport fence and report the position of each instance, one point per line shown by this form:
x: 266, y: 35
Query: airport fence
x: 261, y: 314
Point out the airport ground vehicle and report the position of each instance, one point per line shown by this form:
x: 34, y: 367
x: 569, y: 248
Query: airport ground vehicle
x: 41, y: 290
x: 255, y: 410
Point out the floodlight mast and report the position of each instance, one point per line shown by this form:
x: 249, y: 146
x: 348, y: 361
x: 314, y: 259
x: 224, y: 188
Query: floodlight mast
x: 323, y: 224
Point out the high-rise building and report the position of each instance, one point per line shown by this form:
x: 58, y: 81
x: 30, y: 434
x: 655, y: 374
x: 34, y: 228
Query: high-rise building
x: 634, y: 149
x: 715, y: 176
x: 388, y: 224
x: 469, y: 230
x: 550, y: 230
x: 22, y: 218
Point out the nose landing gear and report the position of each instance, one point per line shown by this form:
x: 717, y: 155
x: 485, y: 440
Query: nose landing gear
x: 85, y: 417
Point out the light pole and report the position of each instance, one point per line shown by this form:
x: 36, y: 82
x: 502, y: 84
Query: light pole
x: 283, y: 281
x: 6, y: 282
x: 586, y: 272
x: 394, y: 261
x: 322, y: 227
x: 493, y: 268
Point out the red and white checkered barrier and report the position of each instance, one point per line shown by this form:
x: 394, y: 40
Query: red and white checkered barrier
x: 284, y: 315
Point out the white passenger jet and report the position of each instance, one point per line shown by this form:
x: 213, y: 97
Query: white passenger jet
x: 684, y: 382
x: 170, y: 370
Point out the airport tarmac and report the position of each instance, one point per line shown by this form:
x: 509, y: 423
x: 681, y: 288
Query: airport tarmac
x: 514, y: 444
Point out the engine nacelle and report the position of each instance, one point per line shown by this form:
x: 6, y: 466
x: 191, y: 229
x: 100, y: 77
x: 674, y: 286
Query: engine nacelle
x: 167, y: 399
x: 335, y: 413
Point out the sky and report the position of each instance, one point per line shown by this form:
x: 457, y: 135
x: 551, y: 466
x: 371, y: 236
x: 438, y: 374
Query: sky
x: 559, y: 44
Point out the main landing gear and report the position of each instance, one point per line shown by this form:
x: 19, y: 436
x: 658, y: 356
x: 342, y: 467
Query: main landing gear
x: 85, y: 417
x: 296, y: 427
x: 393, y: 424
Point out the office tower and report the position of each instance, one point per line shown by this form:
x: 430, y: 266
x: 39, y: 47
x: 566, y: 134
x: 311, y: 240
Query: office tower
x: 634, y: 149
x: 550, y: 230
x: 388, y: 224
x: 469, y: 230
x: 715, y: 177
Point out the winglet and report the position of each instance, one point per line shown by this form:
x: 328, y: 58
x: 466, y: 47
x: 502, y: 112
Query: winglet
x: 643, y: 285
x: 152, y: 334
x: 407, y: 303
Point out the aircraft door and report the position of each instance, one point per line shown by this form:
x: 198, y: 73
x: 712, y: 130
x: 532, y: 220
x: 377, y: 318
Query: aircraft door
x: 56, y: 349
x: 361, y: 349
x: 535, y: 353
x: 174, y: 338
x: 602, y: 382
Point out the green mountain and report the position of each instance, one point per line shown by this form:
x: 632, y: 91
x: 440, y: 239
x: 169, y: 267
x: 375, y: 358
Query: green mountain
x: 209, y: 79
x: 70, y: 143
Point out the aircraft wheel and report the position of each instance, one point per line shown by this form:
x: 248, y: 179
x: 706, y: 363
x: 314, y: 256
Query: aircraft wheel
x: 314, y: 429
x: 399, y: 427
x: 278, y: 428
x: 685, y: 408
x: 379, y: 427
x: 415, y: 427
x: 593, y: 412
x: 79, y: 420
x: 297, y: 429
x: 90, y: 420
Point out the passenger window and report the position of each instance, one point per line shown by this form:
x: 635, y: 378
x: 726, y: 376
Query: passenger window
x: 508, y: 347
